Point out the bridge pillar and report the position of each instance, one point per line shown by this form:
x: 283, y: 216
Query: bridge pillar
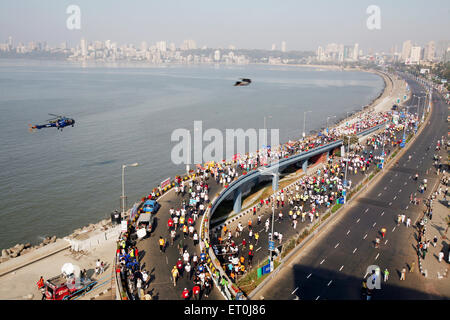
x: 305, y: 165
x: 275, y: 180
x: 328, y: 155
x: 342, y: 151
x: 237, y: 200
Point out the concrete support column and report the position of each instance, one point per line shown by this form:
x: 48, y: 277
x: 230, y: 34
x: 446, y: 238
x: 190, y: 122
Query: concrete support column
x: 305, y: 165
x: 275, y: 180
x: 328, y: 155
x: 342, y: 151
x: 237, y: 200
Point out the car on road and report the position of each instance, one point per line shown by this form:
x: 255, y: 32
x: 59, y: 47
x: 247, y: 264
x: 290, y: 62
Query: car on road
x: 151, y: 206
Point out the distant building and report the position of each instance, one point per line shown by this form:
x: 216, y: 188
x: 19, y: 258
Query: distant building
x: 406, y: 50
x: 320, y: 54
x: 430, y: 51
x: 217, y: 55
x: 83, y: 47
x: 356, y: 52
x: 161, y: 46
x: 416, y: 55
x: 274, y: 47
x: 283, y: 46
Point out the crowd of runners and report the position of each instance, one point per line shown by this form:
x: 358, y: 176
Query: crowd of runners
x: 304, y: 201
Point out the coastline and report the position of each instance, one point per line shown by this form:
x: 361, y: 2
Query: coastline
x: 104, y: 224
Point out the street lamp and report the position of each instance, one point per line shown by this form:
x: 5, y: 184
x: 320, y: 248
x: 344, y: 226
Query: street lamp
x: 304, y: 123
x: 123, y: 184
x: 265, y: 131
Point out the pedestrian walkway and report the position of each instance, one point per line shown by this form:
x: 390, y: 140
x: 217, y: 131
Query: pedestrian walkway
x: 433, y: 265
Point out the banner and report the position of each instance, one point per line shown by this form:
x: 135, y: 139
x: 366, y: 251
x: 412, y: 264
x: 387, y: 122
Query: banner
x: 165, y: 183
x: 124, y: 226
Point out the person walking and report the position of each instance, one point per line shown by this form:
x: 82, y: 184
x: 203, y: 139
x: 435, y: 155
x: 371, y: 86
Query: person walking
x: 175, y: 275
x: 383, y: 232
x: 403, y: 274
x: 161, y: 244
x: 185, y: 294
x: 256, y: 238
x: 196, y: 292
x: 411, y: 268
x: 408, y: 222
x: 441, y: 255
x: 386, y: 275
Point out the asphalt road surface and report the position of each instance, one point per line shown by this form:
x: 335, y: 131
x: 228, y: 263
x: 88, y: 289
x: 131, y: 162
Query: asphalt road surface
x: 332, y: 267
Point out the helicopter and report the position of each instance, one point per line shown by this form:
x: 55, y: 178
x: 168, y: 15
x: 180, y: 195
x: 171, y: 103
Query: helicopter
x: 243, y: 82
x: 58, y: 122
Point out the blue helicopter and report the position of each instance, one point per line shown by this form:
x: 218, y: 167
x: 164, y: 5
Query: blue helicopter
x: 58, y: 122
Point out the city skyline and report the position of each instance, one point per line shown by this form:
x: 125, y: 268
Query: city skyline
x: 250, y: 25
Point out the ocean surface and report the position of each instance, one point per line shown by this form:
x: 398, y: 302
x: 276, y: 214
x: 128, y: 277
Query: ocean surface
x: 53, y: 182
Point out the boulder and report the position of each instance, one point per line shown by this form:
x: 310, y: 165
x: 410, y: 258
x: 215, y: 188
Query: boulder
x: 20, y: 248
x: 4, y: 259
x: 4, y: 253
x: 14, y: 254
x: 53, y: 239
x: 27, y: 245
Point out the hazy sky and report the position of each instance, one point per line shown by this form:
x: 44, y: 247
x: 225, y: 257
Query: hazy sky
x: 304, y: 25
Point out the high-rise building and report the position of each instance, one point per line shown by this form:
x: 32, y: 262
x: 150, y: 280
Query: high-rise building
x: 10, y: 42
x: 320, y: 53
x: 161, y: 46
x: 172, y: 47
x: 217, y: 55
x: 416, y: 54
x: 144, y: 46
x: 83, y: 46
x: 283, y: 46
x: 274, y: 47
x: 356, y: 52
x: 430, y: 51
x: 406, y: 50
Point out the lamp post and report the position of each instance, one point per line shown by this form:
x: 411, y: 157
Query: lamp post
x: 304, y: 123
x: 123, y: 184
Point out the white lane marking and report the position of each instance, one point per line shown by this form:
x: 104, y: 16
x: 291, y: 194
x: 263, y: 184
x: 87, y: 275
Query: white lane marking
x: 258, y: 249
x: 317, y: 297
x: 406, y: 207
x: 329, y: 283
x: 355, y: 250
x: 379, y: 194
x: 294, y: 290
x: 382, y: 213
x: 366, y: 210
x: 336, y: 245
x: 341, y: 267
x: 393, y: 229
x: 377, y: 256
x: 365, y: 236
x: 167, y: 261
x: 385, y: 188
x: 410, y: 177
x: 322, y: 261
x: 374, y: 224
x: 358, y: 220
x: 386, y: 242
x: 399, y: 190
x: 396, y: 174
x: 406, y: 183
x: 395, y: 197
x: 309, y: 276
x: 391, y: 180
x: 390, y: 203
x: 348, y: 232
